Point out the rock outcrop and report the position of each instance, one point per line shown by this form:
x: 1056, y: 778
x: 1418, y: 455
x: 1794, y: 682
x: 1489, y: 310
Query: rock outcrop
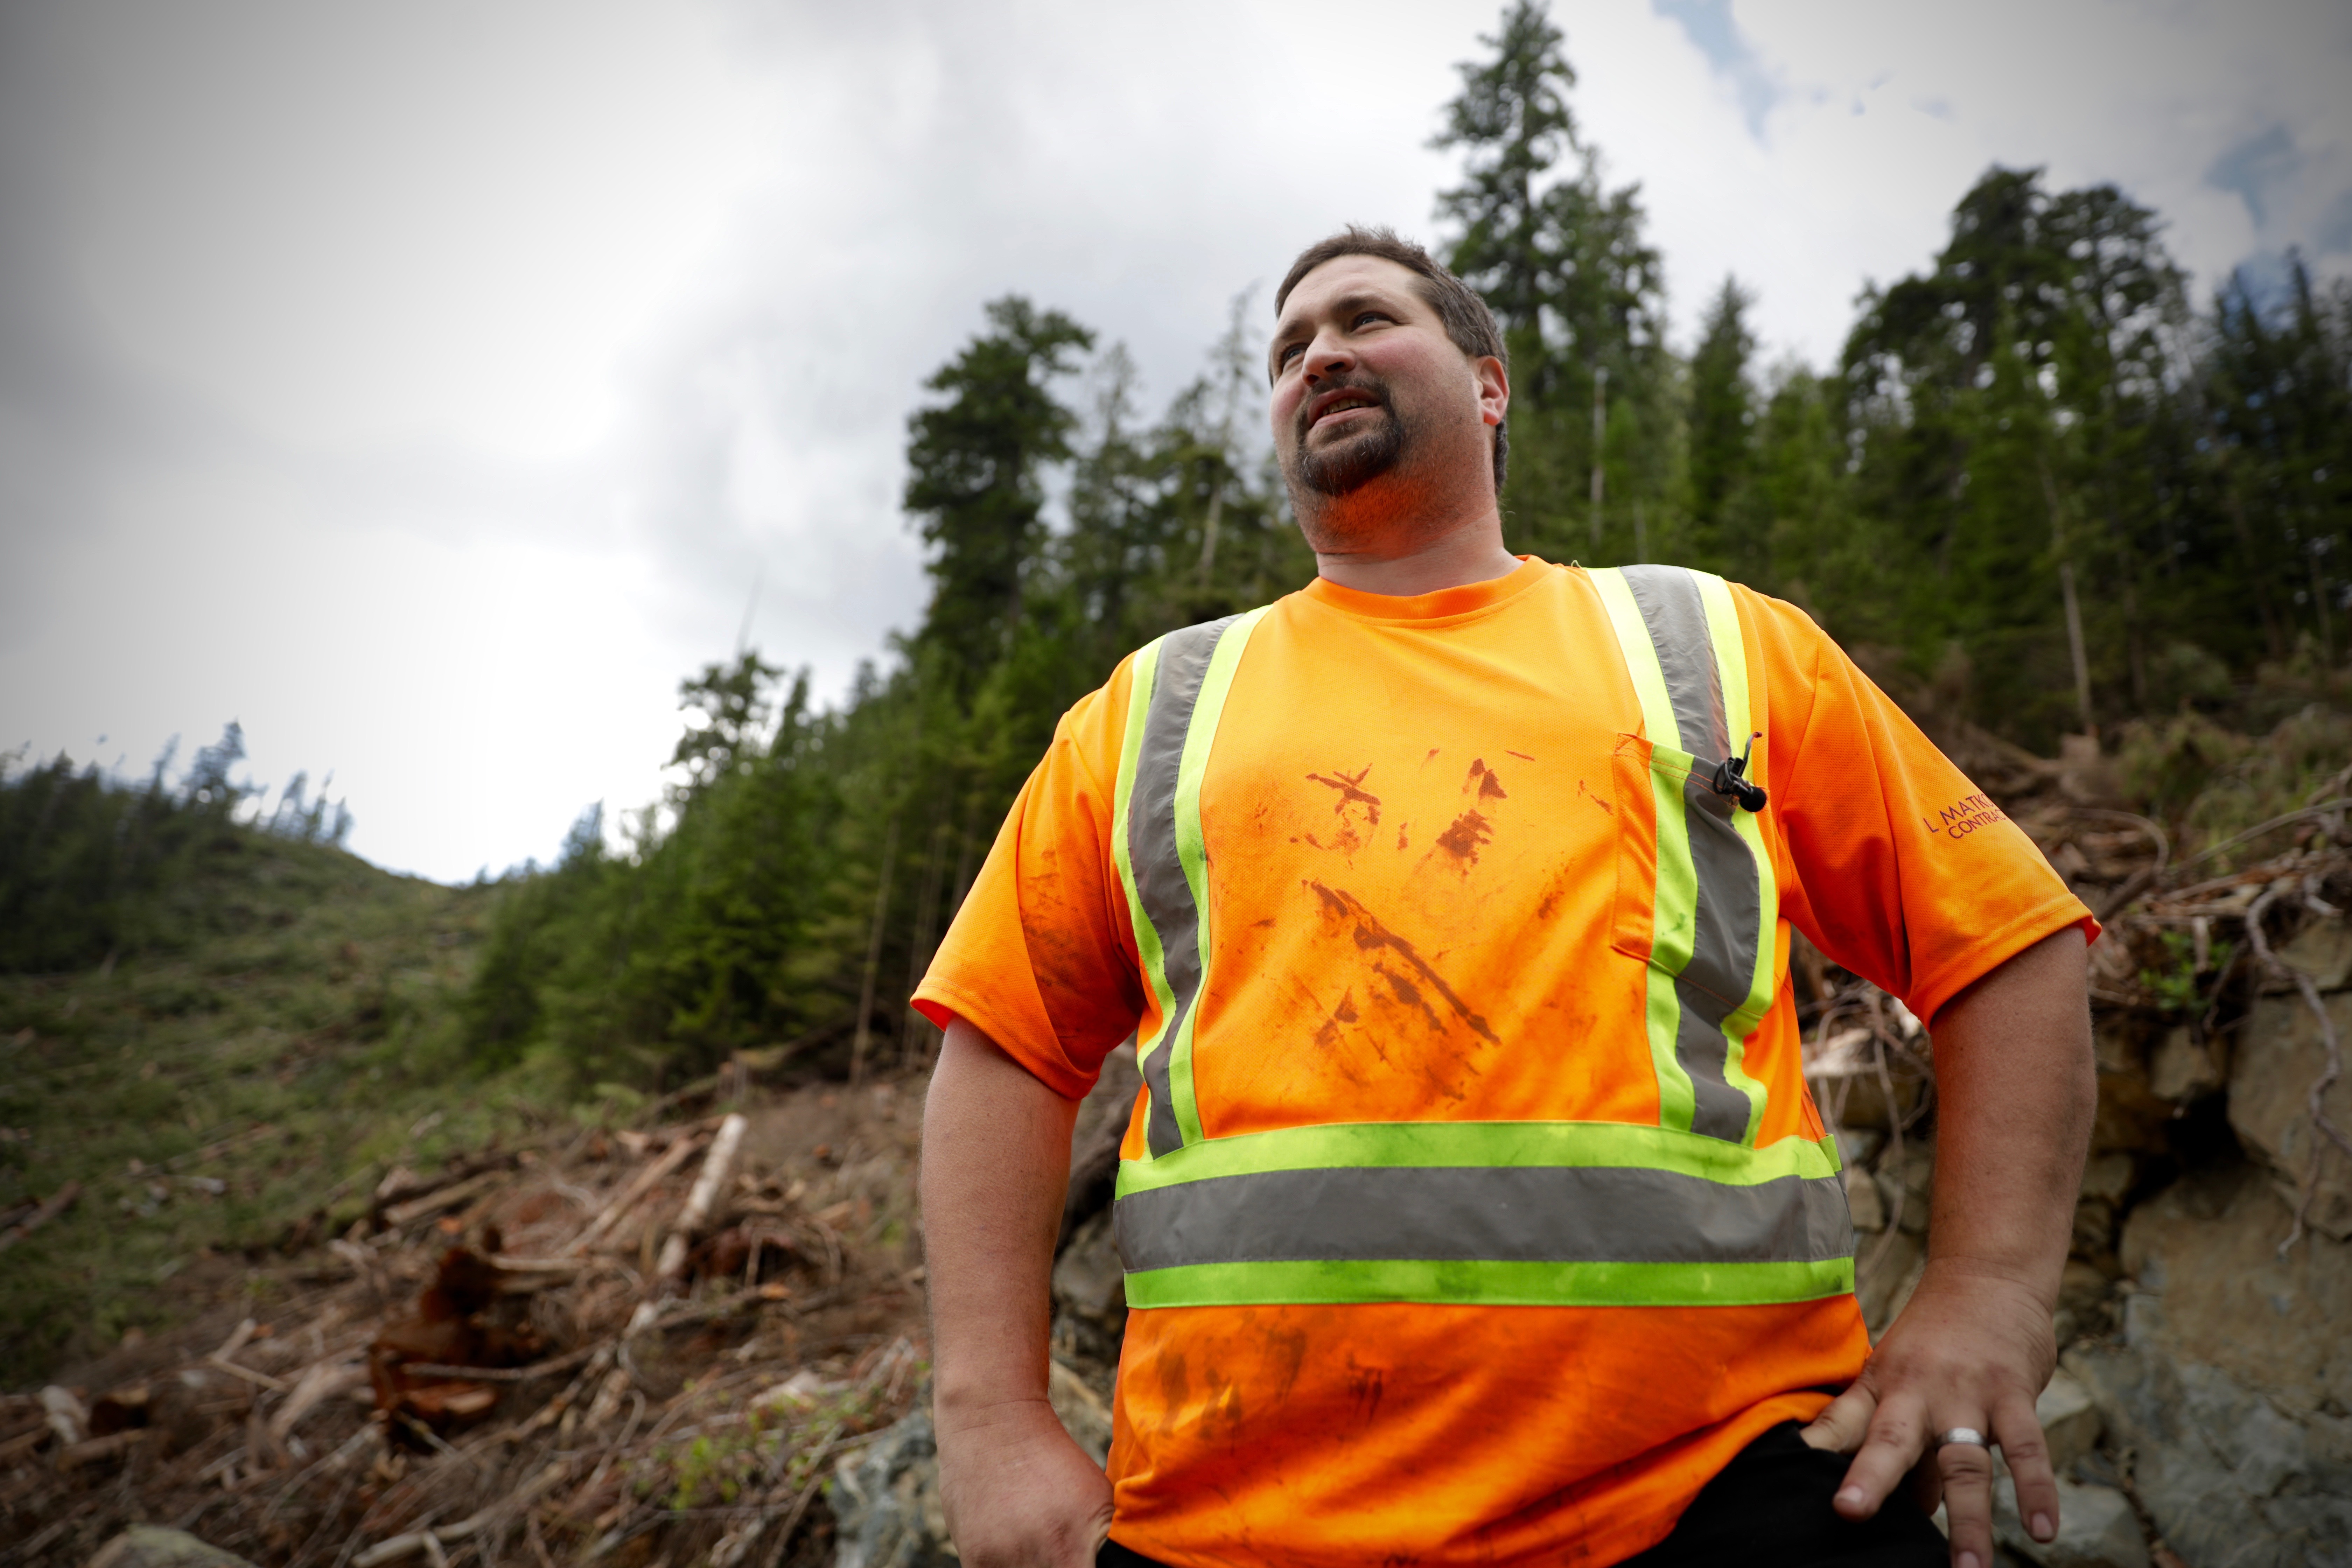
x: 2225, y: 1395
x: 2204, y: 1413
x: 2280, y: 1057
x: 886, y: 1499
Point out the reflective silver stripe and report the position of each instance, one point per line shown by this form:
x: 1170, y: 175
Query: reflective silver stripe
x: 1524, y: 1214
x: 1722, y: 966
x: 1160, y: 882
x: 1676, y: 617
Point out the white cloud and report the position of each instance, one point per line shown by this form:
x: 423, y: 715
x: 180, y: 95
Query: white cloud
x: 428, y: 386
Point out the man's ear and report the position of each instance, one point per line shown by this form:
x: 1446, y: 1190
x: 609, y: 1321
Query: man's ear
x: 1493, y: 388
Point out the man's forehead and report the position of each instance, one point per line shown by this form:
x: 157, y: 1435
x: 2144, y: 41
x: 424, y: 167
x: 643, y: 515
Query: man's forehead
x: 1349, y: 275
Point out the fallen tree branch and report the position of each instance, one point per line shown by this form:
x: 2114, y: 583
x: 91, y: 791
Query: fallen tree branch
x: 2324, y: 1131
x: 531, y: 1373
x: 702, y: 1199
x: 90, y: 1450
x: 393, y: 1215
x: 626, y: 1199
x: 2307, y: 813
x: 56, y: 1204
x: 430, y: 1541
x: 463, y: 1171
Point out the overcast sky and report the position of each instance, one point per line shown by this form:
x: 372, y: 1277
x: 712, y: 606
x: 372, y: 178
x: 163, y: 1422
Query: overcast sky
x: 430, y: 385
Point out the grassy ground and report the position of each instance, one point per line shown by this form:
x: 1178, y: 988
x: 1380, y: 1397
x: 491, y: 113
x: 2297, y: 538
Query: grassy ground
x: 208, y: 1098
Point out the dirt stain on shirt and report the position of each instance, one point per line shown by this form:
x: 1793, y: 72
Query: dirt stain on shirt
x: 1357, y: 809
x: 1350, y: 788
x: 1489, y: 786
x: 1467, y: 837
x: 1371, y: 934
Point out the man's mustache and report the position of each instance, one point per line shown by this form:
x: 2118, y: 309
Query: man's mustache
x: 1378, y: 391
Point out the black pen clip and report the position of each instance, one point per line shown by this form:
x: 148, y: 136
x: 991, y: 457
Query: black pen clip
x: 1732, y: 778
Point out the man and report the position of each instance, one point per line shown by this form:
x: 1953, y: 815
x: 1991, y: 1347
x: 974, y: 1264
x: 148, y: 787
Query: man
x: 1474, y: 1208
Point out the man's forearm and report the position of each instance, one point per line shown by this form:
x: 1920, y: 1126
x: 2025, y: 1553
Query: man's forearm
x: 2015, y: 1092
x: 996, y: 1156
x: 2016, y: 1089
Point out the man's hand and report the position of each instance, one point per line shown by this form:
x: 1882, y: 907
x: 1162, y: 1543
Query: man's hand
x: 1966, y: 1351
x: 1019, y: 1493
x: 2015, y: 1091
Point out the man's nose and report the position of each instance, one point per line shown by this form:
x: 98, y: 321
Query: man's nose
x: 1328, y: 355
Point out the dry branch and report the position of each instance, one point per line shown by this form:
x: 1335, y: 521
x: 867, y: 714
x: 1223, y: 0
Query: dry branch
x: 626, y: 1199
x: 56, y: 1204
x: 2324, y: 1131
x: 380, y: 1207
x: 703, y: 1199
x: 91, y: 1450
x: 448, y: 1198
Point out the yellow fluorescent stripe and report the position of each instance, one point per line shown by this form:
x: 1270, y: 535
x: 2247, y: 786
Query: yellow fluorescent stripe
x: 1730, y: 657
x: 1492, y: 1284
x: 1674, y: 926
x: 1191, y: 848
x: 1482, y: 1145
x: 1142, y: 678
x: 1640, y: 657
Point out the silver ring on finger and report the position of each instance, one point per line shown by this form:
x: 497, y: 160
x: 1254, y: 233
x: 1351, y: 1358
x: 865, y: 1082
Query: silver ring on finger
x: 1967, y: 1437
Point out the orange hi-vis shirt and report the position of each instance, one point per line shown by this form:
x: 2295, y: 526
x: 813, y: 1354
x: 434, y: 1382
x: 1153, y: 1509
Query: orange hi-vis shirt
x: 1417, y: 823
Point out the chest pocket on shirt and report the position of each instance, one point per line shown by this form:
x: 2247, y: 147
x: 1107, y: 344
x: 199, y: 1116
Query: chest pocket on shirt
x: 1689, y: 897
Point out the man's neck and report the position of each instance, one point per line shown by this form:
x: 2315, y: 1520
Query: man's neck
x: 1471, y: 553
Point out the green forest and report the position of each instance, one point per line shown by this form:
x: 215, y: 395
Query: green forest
x: 2043, y: 486
x: 2045, y: 489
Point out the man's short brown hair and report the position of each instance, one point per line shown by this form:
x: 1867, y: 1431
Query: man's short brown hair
x: 1469, y: 324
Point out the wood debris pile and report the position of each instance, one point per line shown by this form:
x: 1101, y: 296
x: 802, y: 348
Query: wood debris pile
x: 648, y: 1344
x: 2188, y: 947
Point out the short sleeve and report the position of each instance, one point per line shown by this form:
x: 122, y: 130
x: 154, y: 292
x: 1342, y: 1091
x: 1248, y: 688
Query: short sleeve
x: 1040, y: 956
x: 1905, y: 872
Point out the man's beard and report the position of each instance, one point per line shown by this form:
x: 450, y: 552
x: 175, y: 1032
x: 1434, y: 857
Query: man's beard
x: 1354, y: 461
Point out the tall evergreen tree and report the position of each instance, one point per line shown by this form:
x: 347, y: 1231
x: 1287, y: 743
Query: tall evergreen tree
x: 2002, y: 402
x: 1800, y: 497
x: 1722, y: 437
x: 1579, y: 294
x: 976, y: 482
x: 2278, y: 384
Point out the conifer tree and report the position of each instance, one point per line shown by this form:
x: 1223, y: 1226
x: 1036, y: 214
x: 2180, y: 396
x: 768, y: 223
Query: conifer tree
x: 2278, y: 391
x: 1579, y: 294
x: 976, y: 485
x: 2003, y: 401
x: 1722, y: 439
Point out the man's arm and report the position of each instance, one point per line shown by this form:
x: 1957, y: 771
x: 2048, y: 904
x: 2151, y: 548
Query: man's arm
x: 996, y: 1156
x: 2015, y: 1091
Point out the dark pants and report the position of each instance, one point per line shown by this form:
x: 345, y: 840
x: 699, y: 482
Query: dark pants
x: 1769, y: 1509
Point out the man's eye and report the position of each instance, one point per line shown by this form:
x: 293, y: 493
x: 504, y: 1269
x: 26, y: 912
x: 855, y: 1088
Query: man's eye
x: 1363, y: 316
x: 1290, y: 352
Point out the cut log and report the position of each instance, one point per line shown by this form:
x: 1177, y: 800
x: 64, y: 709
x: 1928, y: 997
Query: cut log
x: 68, y: 1418
x: 639, y: 1185
x: 702, y: 1201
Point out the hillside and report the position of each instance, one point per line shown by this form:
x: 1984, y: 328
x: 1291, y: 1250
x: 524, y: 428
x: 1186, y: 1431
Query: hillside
x: 336, y: 1288
x: 207, y: 1099
x: 280, y: 1160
